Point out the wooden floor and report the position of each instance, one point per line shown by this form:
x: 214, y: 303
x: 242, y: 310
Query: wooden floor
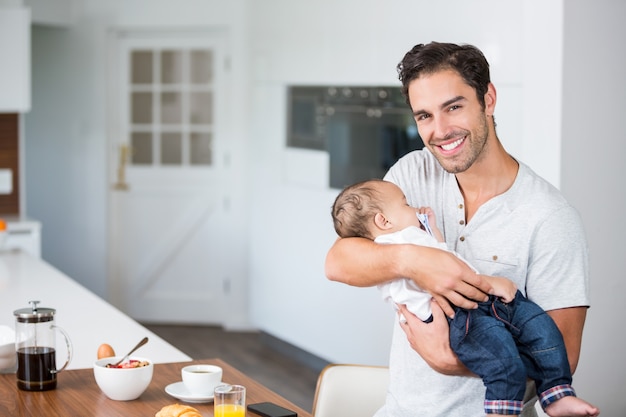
x: 250, y: 353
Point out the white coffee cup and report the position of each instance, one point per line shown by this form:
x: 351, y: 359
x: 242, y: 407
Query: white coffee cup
x: 201, y: 380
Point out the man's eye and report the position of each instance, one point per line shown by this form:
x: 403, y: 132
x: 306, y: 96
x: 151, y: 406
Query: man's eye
x: 421, y: 117
x: 454, y: 107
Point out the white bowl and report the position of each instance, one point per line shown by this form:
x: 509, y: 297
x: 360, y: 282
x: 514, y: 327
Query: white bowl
x: 122, y: 384
x: 7, y: 335
x: 8, y: 356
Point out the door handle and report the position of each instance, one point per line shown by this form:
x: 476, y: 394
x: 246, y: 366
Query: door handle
x: 121, y: 184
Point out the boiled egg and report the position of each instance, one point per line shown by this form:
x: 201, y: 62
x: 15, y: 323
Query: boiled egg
x: 105, y: 351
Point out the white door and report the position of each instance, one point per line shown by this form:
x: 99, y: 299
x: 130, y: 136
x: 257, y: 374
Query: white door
x: 164, y: 160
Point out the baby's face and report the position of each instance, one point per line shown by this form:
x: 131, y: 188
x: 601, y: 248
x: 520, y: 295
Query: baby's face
x: 396, y: 208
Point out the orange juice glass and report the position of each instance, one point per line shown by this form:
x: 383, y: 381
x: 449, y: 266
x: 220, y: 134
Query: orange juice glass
x: 229, y: 401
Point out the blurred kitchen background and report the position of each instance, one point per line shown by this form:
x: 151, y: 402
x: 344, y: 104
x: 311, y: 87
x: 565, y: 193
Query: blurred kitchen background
x: 179, y: 158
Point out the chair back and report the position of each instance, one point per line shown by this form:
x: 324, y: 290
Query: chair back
x: 350, y: 390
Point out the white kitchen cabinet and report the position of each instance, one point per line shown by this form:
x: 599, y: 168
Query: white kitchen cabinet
x: 24, y: 235
x: 15, y: 71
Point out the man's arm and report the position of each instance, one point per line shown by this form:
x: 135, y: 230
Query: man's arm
x: 570, y: 322
x: 362, y: 263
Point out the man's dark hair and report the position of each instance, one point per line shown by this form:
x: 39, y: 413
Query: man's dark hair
x: 467, y: 60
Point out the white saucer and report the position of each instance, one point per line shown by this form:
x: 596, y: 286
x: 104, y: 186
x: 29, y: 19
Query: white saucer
x: 180, y: 391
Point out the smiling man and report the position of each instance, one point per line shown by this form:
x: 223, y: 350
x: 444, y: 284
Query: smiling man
x: 492, y: 209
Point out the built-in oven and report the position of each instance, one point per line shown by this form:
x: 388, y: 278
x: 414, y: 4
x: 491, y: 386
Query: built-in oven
x: 364, y: 129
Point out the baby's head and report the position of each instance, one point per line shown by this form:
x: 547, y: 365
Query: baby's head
x: 371, y: 208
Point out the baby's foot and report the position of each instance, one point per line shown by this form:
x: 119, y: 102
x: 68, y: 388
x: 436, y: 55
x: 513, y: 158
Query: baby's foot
x: 571, y: 406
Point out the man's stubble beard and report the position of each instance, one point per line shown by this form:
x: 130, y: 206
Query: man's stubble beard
x: 475, y: 149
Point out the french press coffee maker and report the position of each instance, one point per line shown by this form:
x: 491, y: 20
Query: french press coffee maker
x: 36, y: 348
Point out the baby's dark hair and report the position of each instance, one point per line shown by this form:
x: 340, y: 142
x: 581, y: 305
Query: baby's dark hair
x: 354, y: 209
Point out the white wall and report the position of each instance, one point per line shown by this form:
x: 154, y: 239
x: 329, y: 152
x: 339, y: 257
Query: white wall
x: 594, y: 145
x: 66, y: 130
x: 338, y: 42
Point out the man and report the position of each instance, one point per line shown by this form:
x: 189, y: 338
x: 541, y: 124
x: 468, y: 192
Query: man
x: 494, y: 211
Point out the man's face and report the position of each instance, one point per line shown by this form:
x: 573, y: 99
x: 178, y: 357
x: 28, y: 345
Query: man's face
x: 450, y: 119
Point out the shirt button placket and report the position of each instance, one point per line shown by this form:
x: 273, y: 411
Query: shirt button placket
x: 462, y: 221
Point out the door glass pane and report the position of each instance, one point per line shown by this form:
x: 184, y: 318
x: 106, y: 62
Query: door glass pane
x: 141, y: 67
x: 201, y: 108
x: 201, y: 67
x: 171, y: 149
x: 141, y: 148
x: 171, y: 67
x: 141, y: 104
x: 171, y: 108
x: 200, y: 149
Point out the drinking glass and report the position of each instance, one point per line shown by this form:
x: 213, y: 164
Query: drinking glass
x: 229, y: 401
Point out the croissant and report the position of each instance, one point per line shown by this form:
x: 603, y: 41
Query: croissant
x: 177, y: 410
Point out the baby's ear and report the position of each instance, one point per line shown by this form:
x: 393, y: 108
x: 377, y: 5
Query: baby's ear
x: 381, y: 221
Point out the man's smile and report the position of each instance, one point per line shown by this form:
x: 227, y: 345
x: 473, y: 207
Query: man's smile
x: 453, y: 145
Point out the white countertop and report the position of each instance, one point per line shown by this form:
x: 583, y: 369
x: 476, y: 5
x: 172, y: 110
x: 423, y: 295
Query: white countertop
x: 17, y: 223
x: 88, y: 320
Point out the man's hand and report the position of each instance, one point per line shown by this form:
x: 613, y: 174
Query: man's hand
x: 432, y: 340
x: 448, y: 279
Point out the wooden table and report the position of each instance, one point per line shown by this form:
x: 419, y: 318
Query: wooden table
x: 78, y: 395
